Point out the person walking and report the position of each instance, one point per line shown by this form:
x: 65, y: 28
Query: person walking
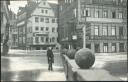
x: 50, y: 57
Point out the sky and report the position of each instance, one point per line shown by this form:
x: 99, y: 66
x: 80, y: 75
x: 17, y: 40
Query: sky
x: 14, y: 5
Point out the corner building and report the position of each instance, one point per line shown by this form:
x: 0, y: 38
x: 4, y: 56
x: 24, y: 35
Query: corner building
x: 105, y: 21
x: 42, y: 26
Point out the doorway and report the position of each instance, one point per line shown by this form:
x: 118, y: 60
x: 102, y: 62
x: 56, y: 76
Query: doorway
x: 113, y: 47
x: 121, y: 47
x: 105, y: 47
x: 97, y: 48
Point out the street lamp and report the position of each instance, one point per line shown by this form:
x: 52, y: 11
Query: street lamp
x: 84, y: 34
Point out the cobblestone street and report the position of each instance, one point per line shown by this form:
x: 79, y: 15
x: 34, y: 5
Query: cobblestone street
x: 31, y: 68
x: 18, y: 66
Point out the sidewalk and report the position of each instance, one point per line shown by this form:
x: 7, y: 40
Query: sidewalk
x: 14, y: 52
x: 29, y: 68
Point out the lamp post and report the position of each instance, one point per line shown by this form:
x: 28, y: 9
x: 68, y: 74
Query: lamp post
x: 84, y: 34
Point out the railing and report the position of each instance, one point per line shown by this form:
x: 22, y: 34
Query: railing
x: 74, y: 73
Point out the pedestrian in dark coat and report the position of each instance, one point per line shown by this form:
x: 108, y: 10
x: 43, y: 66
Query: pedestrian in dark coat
x: 50, y: 57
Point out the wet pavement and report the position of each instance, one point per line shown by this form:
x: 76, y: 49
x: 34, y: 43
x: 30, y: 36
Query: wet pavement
x: 31, y: 68
x: 115, y: 64
x: 23, y: 65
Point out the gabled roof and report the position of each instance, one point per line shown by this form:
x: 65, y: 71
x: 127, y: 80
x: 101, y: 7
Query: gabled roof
x: 54, y: 8
x: 30, y: 7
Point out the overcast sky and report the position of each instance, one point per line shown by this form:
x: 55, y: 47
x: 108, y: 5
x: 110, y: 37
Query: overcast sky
x: 14, y: 5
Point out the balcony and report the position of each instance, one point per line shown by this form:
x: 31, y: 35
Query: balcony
x: 107, y: 38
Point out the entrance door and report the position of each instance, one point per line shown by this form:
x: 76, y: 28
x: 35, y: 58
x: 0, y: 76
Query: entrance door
x: 113, y: 47
x: 97, y: 48
x: 105, y: 47
x: 121, y: 47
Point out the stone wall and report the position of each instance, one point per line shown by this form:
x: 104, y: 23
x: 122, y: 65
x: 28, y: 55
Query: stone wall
x: 74, y: 73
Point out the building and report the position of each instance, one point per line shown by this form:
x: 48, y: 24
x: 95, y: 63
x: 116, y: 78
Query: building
x: 5, y: 24
x: 21, y: 27
x: 105, y: 22
x: 13, y: 33
x: 39, y: 21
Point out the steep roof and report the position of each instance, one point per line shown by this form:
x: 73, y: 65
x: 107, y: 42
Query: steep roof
x: 30, y: 7
x: 54, y: 8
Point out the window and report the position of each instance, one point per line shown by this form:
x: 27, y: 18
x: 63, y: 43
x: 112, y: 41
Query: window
x: 36, y: 19
x: 66, y: 1
x: 44, y: 3
x: 120, y: 15
x: 47, y: 28
x: 97, y: 13
x: 105, y: 32
x: 42, y: 28
x: 96, y: 30
x: 47, y: 39
x: 42, y: 39
x: 53, y: 39
x: 53, y: 20
x: 120, y: 1
x: 113, y: 31
x: 75, y: 12
x: 37, y: 28
x: 53, y: 29
x: 37, y: 39
x: 46, y: 11
x: 42, y: 11
x: 121, y: 32
x: 87, y: 12
x: 47, y: 20
x: 83, y: 12
x: 105, y: 14
x: 113, y: 14
x: 41, y: 19
x: 70, y: 1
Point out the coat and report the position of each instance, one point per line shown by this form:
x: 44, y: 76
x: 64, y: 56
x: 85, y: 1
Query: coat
x: 50, y: 56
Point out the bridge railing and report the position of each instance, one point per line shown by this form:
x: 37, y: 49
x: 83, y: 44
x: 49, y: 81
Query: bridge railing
x: 74, y: 73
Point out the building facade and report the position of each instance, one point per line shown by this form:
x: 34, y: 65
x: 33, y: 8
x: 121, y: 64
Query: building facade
x: 13, y: 33
x: 42, y: 26
x: 105, y: 22
x: 39, y: 25
x: 5, y: 24
x: 21, y: 27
